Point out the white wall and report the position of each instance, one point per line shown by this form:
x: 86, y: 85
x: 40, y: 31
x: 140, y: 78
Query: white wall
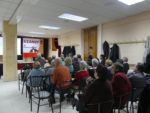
x: 135, y: 28
x: 71, y: 38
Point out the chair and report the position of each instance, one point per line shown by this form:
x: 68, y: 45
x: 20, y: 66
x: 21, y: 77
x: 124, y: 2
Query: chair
x: 37, y: 91
x: 123, y: 102
x: 138, y: 86
x: 22, y: 78
x: 83, y: 85
x: 102, y: 106
x: 63, y: 91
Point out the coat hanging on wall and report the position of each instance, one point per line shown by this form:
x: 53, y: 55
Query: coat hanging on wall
x: 114, y: 54
x: 106, y: 49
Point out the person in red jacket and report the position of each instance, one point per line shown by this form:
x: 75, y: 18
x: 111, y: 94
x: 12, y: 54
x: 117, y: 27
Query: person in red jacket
x: 120, y: 84
x: 83, y: 73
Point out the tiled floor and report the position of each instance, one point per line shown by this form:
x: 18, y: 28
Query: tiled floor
x: 12, y: 101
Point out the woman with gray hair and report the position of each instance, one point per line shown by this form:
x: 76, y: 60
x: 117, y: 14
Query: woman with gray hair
x: 95, y: 63
x: 83, y: 73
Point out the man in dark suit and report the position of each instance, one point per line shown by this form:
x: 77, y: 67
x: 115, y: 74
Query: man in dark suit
x: 33, y: 50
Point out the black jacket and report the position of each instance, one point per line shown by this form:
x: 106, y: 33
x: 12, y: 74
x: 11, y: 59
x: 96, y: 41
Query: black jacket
x: 106, y: 49
x: 114, y: 54
x: 126, y: 67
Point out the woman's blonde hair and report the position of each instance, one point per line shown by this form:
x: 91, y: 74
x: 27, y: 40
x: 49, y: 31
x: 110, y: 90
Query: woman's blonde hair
x: 108, y: 62
x: 68, y: 61
x: 36, y: 65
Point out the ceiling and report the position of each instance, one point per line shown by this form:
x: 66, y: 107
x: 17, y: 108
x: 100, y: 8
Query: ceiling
x: 33, y: 13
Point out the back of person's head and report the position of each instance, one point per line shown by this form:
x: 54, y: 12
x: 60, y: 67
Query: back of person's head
x: 78, y: 56
x: 117, y: 67
x: 120, y: 61
x: 125, y: 59
x: 101, y: 72
x: 62, y: 58
x: 95, y: 62
x: 58, y: 62
x: 36, y: 65
x: 102, y: 57
x: 140, y: 67
x: 108, y: 63
x: 53, y: 62
x: 75, y: 59
x: 49, y: 60
x: 90, y: 57
x: 83, y: 65
x: 68, y: 61
x: 39, y: 55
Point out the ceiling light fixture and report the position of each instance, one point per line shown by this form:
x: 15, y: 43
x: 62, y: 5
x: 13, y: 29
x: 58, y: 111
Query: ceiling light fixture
x: 72, y: 17
x: 130, y: 2
x: 49, y: 27
x: 38, y: 33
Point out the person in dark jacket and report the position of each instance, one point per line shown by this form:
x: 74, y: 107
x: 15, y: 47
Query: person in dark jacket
x: 125, y: 65
x: 89, y: 62
x: 102, y: 59
x: 120, y: 83
x: 144, y: 101
x: 137, y: 80
x: 106, y: 49
x: 108, y: 64
x: 98, y: 92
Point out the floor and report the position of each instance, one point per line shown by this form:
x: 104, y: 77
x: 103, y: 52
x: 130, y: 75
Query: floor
x: 12, y: 101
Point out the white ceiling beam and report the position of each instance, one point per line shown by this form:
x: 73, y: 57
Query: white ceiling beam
x: 23, y: 7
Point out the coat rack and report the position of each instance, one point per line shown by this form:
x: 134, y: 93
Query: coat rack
x: 70, y: 45
x: 128, y: 42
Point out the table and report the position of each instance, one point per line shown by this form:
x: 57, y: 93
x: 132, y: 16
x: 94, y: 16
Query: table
x: 20, y: 66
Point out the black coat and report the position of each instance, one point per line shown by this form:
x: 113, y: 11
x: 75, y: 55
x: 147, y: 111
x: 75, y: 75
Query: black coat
x: 114, y: 54
x: 106, y: 49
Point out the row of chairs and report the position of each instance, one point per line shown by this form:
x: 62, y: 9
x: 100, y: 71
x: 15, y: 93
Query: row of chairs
x: 133, y: 96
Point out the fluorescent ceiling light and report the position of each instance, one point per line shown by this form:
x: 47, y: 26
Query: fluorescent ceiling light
x: 38, y: 33
x: 72, y: 17
x: 49, y: 27
x: 131, y: 2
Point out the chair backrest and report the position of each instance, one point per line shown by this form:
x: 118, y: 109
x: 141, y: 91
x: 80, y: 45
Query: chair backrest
x: 83, y: 84
x: 138, y: 86
x: 121, y: 100
x: 103, y: 107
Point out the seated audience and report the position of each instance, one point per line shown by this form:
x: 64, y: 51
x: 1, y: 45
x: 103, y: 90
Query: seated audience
x: 120, y: 61
x: 76, y: 66
x: 120, y: 83
x: 92, y: 70
x: 98, y: 92
x: 51, y: 69
x: 102, y: 59
x: 60, y: 74
x: 79, y: 58
x: 83, y: 73
x: 125, y: 64
x: 46, y: 65
x: 41, y: 60
x: 89, y: 62
x: 138, y: 80
x: 68, y: 64
x: 108, y: 64
x: 36, y: 71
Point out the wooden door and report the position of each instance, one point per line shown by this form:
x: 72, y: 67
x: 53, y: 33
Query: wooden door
x: 90, y: 42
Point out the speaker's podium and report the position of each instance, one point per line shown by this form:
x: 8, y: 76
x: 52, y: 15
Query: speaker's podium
x: 28, y: 57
